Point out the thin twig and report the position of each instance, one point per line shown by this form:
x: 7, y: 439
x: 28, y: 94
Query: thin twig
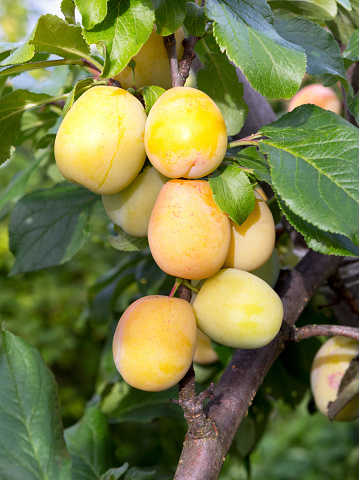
x: 309, y: 331
x: 170, y: 44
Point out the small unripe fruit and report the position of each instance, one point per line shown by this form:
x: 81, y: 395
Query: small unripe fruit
x: 328, y: 368
x: 131, y: 208
x: 152, y: 65
x: 252, y: 242
x: 316, y: 94
x: 99, y: 144
x: 154, y: 342
x: 238, y: 309
x: 205, y: 353
x: 185, y: 134
x: 188, y: 234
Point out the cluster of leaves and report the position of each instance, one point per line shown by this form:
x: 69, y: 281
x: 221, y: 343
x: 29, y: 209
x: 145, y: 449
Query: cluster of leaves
x: 308, y: 157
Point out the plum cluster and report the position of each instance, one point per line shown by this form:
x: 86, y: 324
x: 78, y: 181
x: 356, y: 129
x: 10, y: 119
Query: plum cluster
x: 102, y: 144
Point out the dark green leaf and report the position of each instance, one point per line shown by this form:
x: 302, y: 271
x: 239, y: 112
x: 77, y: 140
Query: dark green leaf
x: 232, y: 192
x: 12, y: 107
x: 272, y: 65
x: 251, y: 158
x: 345, y: 22
x: 170, y: 15
x: 115, y: 473
x: 196, y: 20
x: 90, y: 446
x: 48, y: 227
x: 352, y: 50
x: 321, y: 48
x: 68, y: 10
x: 314, y: 161
x: 348, y: 389
x: 319, y: 240
x: 150, y: 95
x: 315, y: 9
x: 92, y: 12
x: 218, y: 79
x: 127, y: 243
x: 126, y: 27
x: 136, y: 474
x: 31, y: 441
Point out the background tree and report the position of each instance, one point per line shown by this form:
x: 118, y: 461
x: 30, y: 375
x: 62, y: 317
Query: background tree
x: 249, y: 59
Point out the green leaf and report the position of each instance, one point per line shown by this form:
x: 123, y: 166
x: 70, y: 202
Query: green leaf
x: 31, y: 442
x: 52, y: 35
x: 126, y: 27
x: 136, y: 474
x: 127, y: 243
x: 272, y: 65
x: 150, y: 95
x: 115, y: 473
x: 68, y: 10
x: 17, y: 186
x: 143, y: 407
x: 196, y: 20
x: 353, y: 105
x: 348, y: 389
x: 232, y: 192
x: 251, y: 158
x: 90, y: 446
x: 170, y: 15
x: 92, y: 12
x: 321, y: 48
x: 352, y: 50
x: 315, y: 9
x: 48, y: 227
x: 319, y: 240
x: 346, y: 4
x: 218, y: 79
x: 345, y: 22
x: 80, y: 87
x: 12, y: 107
x: 314, y: 162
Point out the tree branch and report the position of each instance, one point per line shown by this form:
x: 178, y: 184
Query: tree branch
x: 180, y: 71
x: 324, y: 330
x: 245, y: 373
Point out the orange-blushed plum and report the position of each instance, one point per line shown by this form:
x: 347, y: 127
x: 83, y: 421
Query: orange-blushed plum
x: 185, y: 134
x: 238, y: 309
x: 152, y: 65
x: 328, y: 368
x: 188, y: 234
x: 131, y: 208
x: 154, y: 342
x: 316, y: 94
x: 100, y: 142
x: 252, y: 242
x: 205, y: 353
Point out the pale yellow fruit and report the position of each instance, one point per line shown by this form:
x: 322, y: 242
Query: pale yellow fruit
x: 252, y: 242
x: 152, y: 64
x: 328, y: 368
x: 205, y: 353
x: 188, y: 234
x: 154, y: 342
x: 269, y: 272
x: 238, y: 309
x: 131, y: 208
x: 185, y: 134
x: 99, y: 144
x: 319, y: 95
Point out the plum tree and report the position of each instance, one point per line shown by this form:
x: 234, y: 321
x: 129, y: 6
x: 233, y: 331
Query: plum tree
x: 188, y: 234
x: 99, y: 144
x: 204, y: 353
x: 328, y: 368
x: 152, y: 66
x: 185, y: 134
x: 252, y: 242
x: 131, y: 208
x: 154, y: 342
x: 269, y: 272
x: 238, y: 309
x: 316, y: 94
